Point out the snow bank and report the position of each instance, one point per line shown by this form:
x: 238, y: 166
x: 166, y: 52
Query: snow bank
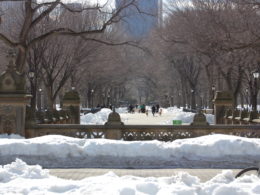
x: 218, y: 151
x: 98, y: 118
x: 122, y: 110
x: 21, y: 178
x: 20, y: 169
x: 11, y: 136
x: 185, y: 117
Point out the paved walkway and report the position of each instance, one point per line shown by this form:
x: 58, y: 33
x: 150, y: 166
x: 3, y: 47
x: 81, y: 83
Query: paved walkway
x: 78, y: 174
x: 142, y: 119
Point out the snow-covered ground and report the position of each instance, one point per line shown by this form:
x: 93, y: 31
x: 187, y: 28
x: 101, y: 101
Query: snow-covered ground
x: 20, y: 178
x: 168, y: 115
x: 20, y: 174
x: 212, y: 151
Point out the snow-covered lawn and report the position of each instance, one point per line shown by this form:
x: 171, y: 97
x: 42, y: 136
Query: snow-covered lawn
x: 168, y: 115
x: 20, y: 178
x: 212, y: 151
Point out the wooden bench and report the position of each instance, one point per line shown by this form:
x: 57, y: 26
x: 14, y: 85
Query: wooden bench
x: 251, y: 116
x: 228, y: 114
x: 231, y: 118
x: 256, y: 118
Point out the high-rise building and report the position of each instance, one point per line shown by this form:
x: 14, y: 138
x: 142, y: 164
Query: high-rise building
x: 138, y: 21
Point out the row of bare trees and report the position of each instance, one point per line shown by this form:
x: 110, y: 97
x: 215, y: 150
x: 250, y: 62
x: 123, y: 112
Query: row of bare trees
x: 208, y: 45
x: 68, y: 45
x: 202, y: 46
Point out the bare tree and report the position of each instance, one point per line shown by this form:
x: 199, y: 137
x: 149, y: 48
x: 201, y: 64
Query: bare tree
x: 34, y: 13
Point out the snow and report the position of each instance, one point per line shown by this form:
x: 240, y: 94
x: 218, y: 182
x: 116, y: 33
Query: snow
x: 22, y: 161
x: 168, y: 115
x: 20, y: 178
x: 185, y: 117
x: 11, y: 136
x: 212, y: 151
x: 98, y: 118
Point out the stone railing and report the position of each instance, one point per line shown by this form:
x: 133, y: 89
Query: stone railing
x: 141, y: 132
x: 53, y: 117
x: 241, y: 117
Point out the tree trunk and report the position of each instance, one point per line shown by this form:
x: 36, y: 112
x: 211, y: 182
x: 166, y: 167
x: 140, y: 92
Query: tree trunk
x: 50, y: 101
x: 21, y: 60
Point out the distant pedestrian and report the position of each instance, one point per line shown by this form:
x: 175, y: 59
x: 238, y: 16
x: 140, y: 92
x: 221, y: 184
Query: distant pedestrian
x: 131, y: 108
x: 160, y: 111
x: 143, y: 108
x: 153, y: 110
x: 157, y: 108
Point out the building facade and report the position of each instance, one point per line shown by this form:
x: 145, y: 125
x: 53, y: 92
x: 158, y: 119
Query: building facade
x: 139, y: 22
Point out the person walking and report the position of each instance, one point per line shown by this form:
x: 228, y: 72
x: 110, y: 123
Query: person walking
x: 153, y: 110
x: 157, y: 108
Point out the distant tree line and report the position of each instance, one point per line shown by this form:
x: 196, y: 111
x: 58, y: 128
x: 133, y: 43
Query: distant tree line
x: 205, y: 46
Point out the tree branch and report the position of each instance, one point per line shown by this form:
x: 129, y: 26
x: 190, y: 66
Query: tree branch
x: 9, y: 42
x: 45, y: 13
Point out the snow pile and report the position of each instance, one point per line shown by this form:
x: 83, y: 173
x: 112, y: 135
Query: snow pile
x: 11, y: 136
x: 172, y: 113
x: 23, y: 179
x: 212, y: 151
x: 98, y: 118
x: 21, y: 169
x: 185, y: 117
x: 122, y: 110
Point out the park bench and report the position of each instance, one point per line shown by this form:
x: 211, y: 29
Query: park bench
x: 256, y: 118
x: 240, y: 119
x: 251, y: 116
x: 228, y: 113
x: 231, y: 118
x: 62, y: 117
x: 56, y: 116
x: 39, y: 117
x: 48, y: 117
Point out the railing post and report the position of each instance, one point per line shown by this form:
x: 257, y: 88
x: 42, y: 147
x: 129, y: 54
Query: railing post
x: 223, y: 100
x: 199, y: 119
x: 13, y: 99
x: 114, y: 126
x: 71, y: 103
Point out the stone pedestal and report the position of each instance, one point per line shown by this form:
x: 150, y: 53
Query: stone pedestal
x: 13, y: 100
x: 114, y: 126
x: 223, y: 100
x: 199, y: 119
x: 12, y: 113
x: 71, y: 103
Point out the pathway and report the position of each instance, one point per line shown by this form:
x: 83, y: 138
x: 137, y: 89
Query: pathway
x: 78, y: 174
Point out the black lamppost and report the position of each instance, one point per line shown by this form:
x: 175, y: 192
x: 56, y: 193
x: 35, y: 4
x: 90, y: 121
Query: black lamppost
x: 179, y: 99
x: 213, y: 88
x: 92, y: 97
x: 172, y: 101
x: 255, y: 90
x: 247, y: 102
x: 39, y: 100
x: 103, y: 99
x: 193, y: 106
x: 166, y: 100
x: 31, y: 77
x: 108, y: 100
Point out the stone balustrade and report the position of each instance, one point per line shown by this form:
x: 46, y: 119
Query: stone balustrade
x: 141, y: 132
x: 53, y: 117
x: 234, y: 116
